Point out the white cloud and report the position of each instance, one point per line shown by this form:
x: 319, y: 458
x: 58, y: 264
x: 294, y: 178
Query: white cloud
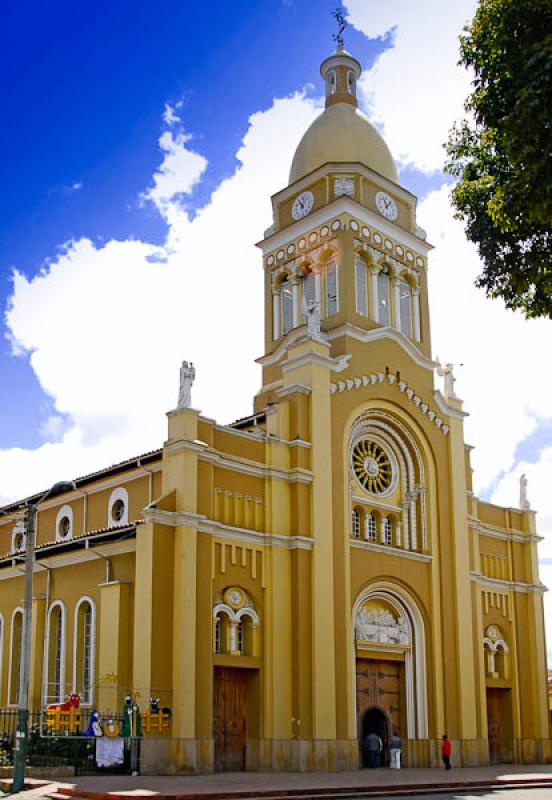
x: 170, y: 116
x: 416, y: 89
x: 107, y: 326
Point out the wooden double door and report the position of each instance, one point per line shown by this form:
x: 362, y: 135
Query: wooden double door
x: 378, y: 697
x: 230, y: 718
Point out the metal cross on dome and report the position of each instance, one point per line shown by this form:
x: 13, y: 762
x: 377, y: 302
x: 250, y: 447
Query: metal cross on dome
x: 341, y: 25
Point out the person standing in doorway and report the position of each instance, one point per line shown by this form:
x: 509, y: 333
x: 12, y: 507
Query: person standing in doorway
x: 372, y: 744
x: 446, y: 751
x: 395, y: 746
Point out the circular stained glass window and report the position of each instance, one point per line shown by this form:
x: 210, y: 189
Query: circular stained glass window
x: 372, y: 467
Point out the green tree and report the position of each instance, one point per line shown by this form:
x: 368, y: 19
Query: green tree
x: 501, y: 156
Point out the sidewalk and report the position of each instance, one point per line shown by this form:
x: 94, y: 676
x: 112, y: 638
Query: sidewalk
x: 382, y: 782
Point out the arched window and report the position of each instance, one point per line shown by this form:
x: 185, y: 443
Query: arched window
x: 332, y: 302
x: 405, y: 295
x: 331, y: 83
x: 383, y: 297
x: 287, y: 305
x: 387, y: 531
x: 371, y: 527
x: 84, y: 647
x: 351, y: 82
x: 64, y: 524
x: 239, y: 638
x: 15, y: 656
x: 218, y: 643
x: 246, y: 642
x: 361, y: 287
x: 118, y: 507
x: 19, y: 539
x: 356, y: 523
x: 54, y: 677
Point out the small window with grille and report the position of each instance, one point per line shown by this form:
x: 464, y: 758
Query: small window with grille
x: 356, y: 523
x: 371, y: 527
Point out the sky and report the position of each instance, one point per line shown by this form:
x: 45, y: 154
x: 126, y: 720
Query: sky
x: 140, y: 146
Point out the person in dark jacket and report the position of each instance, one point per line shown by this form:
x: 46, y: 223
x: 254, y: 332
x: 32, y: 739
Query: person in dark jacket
x: 374, y: 746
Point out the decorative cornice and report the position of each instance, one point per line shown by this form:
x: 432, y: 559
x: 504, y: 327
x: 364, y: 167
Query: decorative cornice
x: 308, y: 359
x: 295, y: 388
x: 446, y: 409
x: 497, y: 584
x: 359, y: 544
x: 366, y: 380
x: 504, y: 534
x: 375, y: 334
x: 201, y: 523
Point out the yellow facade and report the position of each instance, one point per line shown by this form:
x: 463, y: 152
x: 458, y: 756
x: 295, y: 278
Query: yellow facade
x: 322, y: 568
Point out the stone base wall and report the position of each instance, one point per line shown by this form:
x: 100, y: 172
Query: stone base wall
x: 197, y: 756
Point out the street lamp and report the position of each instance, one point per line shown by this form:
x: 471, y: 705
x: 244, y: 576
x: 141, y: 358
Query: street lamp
x: 22, y: 728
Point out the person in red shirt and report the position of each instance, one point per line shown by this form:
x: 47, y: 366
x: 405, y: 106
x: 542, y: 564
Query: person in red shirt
x: 446, y: 751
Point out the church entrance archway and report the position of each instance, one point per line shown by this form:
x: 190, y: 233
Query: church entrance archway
x: 375, y: 721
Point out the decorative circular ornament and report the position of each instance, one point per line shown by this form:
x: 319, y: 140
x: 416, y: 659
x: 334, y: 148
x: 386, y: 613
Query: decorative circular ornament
x: 419, y: 262
x: 234, y: 597
x: 313, y: 237
x: 270, y: 260
x: 372, y: 466
x: 399, y: 251
x: 325, y: 231
x: 366, y: 232
x: 302, y: 243
x: 335, y: 224
x: 389, y: 244
x: 302, y: 205
x: 377, y: 238
x: 354, y: 225
x: 280, y: 255
x: 291, y: 249
x: 387, y: 206
x: 409, y: 256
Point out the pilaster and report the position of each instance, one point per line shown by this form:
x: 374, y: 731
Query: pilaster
x: 37, y: 653
x: 114, y: 637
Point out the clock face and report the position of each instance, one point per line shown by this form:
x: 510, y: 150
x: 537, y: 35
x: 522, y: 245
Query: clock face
x: 302, y: 205
x: 387, y: 206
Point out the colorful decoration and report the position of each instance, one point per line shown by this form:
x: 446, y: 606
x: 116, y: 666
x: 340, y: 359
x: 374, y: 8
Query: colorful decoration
x: 65, y: 717
x: 156, y: 719
x: 132, y: 725
x: 112, y: 728
x: 94, y: 726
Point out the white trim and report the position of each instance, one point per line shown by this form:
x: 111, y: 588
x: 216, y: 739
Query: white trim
x: 415, y: 655
x: 384, y: 332
x: 445, y: 408
x: 17, y: 610
x: 497, y: 584
x: 92, y: 604
x: 120, y: 493
x: 77, y: 557
x: 63, y: 622
x: 65, y: 511
x: 364, y: 544
x: 503, y: 534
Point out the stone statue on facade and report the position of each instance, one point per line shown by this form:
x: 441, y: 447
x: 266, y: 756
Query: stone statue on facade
x: 187, y: 377
x: 311, y: 310
x: 446, y: 371
x: 524, y: 503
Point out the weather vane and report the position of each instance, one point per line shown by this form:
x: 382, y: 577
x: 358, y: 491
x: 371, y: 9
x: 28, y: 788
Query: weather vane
x: 341, y: 25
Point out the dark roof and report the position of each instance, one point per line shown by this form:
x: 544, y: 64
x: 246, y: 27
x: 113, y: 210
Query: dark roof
x: 136, y: 461
x: 97, y: 537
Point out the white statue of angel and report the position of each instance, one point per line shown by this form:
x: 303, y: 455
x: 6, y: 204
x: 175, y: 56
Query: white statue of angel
x: 187, y: 377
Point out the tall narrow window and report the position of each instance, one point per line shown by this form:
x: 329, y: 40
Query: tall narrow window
x: 383, y: 297
x: 218, y: 645
x: 309, y: 288
x: 387, y: 533
x: 361, y: 287
x: 406, y: 307
x: 331, y: 288
x: 371, y: 527
x: 15, y: 657
x: 239, y: 637
x: 287, y: 306
x: 356, y: 523
x: 351, y: 82
x: 83, y: 663
x: 55, y: 674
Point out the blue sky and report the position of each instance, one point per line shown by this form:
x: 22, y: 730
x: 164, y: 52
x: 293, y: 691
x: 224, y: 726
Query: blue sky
x: 83, y: 86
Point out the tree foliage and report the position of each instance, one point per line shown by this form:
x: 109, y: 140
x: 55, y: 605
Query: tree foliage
x: 502, y: 155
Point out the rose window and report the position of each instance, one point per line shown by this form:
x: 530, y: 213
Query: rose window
x: 372, y: 467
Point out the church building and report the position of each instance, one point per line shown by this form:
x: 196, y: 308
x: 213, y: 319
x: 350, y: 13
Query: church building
x: 321, y: 569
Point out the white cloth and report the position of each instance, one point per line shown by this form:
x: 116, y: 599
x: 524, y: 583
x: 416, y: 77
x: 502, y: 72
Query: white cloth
x: 110, y: 751
x: 395, y: 758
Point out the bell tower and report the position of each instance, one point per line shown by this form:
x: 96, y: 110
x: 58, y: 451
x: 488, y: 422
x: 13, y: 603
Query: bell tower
x: 344, y: 240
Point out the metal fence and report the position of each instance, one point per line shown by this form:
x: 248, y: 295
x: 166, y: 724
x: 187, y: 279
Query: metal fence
x: 48, y: 748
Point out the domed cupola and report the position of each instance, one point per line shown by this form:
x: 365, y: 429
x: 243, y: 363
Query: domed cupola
x: 342, y: 133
